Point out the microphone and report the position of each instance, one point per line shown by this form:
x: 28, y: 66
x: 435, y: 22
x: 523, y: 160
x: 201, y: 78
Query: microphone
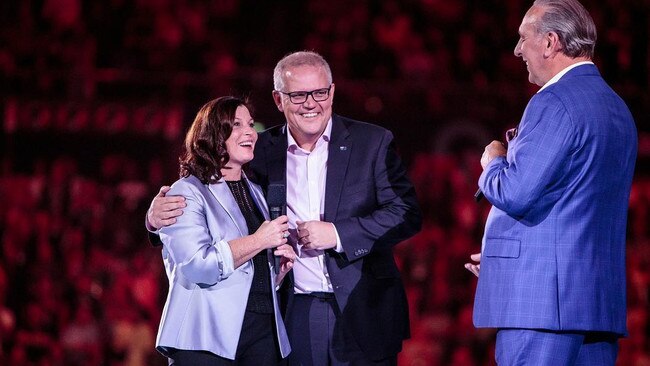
x: 276, y: 199
x: 510, y: 134
x: 478, y: 196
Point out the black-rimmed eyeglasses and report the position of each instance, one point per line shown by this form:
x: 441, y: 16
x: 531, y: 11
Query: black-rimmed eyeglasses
x: 299, y: 97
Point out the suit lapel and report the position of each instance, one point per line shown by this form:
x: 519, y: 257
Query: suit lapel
x: 340, y: 147
x: 258, y: 198
x: 222, y: 193
x: 260, y: 201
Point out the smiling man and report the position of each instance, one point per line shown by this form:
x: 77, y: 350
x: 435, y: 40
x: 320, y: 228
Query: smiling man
x: 349, y: 202
x: 552, y: 272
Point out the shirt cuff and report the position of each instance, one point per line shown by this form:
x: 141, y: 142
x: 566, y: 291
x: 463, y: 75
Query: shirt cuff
x: 339, y: 247
x: 150, y: 228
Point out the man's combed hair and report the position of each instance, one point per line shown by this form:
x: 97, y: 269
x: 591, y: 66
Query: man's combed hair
x: 296, y: 59
x: 573, y: 25
x: 205, y: 143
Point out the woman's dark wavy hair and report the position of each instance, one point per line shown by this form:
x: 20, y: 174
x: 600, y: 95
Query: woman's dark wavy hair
x: 205, y: 143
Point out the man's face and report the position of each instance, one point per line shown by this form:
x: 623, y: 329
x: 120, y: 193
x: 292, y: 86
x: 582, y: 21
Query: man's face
x: 531, y: 47
x: 306, y: 120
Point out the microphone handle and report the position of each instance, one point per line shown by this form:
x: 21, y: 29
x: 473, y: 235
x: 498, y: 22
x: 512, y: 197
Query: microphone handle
x: 276, y: 263
x: 274, y: 213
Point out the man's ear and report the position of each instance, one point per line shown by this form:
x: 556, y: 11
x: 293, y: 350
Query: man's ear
x: 277, y: 98
x: 552, y: 44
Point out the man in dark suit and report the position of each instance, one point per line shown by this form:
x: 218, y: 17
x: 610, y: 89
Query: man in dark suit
x: 552, y: 272
x: 349, y: 202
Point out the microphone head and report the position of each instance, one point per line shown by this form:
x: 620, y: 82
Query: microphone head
x: 276, y: 195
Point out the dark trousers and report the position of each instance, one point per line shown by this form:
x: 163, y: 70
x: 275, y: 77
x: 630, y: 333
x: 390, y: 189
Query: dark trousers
x: 257, y: 346
x: 318, y: 339
x: 545, y: 348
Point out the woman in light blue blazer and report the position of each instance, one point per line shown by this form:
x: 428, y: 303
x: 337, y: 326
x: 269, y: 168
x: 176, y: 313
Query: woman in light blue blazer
x: 222, y: 307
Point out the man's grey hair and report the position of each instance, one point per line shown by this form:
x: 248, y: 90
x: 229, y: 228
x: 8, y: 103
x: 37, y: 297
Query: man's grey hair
x: 573, y: 25
x: 296, y: 59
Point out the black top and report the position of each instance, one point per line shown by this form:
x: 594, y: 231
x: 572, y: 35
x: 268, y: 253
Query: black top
x: 259, y: 298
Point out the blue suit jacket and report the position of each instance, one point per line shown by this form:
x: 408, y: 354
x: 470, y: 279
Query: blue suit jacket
x: 207, y: 297
x: 554, y: 246
x: 372, y: 203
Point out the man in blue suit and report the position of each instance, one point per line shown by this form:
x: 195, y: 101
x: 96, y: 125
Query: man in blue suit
x: 552, y: 272
x: 349, y: 202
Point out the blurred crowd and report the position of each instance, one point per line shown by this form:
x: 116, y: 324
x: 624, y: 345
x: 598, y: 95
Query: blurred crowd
x: 96, y: 97
x: 79, y: 285
x: 416, y: 60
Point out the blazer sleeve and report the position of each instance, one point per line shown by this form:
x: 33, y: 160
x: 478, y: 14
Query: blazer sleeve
x: 396, y: 216
x: 535, y: 161
x: 202, y: 256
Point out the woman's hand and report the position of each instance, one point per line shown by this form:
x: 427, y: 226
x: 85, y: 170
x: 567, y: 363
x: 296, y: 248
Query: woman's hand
x: 288, y: 256
x: 273, y: 233
x: 269, y: 235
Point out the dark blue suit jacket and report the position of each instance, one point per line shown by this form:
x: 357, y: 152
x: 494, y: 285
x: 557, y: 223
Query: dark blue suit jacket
x: 554, y: 245
x: 373, y: 205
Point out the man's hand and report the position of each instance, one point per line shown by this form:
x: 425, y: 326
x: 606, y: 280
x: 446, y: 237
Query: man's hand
x: 494, y: 149
x: 319, y: 235
x: 474, y: 268
x: 164, y: 210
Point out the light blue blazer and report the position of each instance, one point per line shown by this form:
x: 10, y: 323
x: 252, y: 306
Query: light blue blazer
x: 554, y: 245
x: 207, y: 296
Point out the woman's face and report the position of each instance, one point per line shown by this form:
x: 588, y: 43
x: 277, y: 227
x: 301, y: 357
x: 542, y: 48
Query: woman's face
x: 241, y: 143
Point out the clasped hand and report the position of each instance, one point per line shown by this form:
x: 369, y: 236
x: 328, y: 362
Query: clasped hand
x: 319, y: 235
x: 273, y: 235
x: 493, y: 150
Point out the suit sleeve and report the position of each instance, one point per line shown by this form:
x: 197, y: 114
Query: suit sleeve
x: 535, y: 161
x: 152, y: 234
x: 154, y: 239
x: 396, y: 215
x: 200, y: 257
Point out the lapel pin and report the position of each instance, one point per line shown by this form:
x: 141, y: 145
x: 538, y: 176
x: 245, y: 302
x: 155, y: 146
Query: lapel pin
x: 343, y: 148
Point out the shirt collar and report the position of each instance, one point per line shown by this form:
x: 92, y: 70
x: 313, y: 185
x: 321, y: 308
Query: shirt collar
x: 557, y: 76
x: 293, y: 145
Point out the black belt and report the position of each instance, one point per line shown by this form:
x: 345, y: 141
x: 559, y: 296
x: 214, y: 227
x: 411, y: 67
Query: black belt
x: 319, y: 295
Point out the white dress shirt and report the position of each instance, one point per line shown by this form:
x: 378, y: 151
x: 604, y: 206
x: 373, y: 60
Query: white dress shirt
x: 306, y: 174
x: 559, y: 75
